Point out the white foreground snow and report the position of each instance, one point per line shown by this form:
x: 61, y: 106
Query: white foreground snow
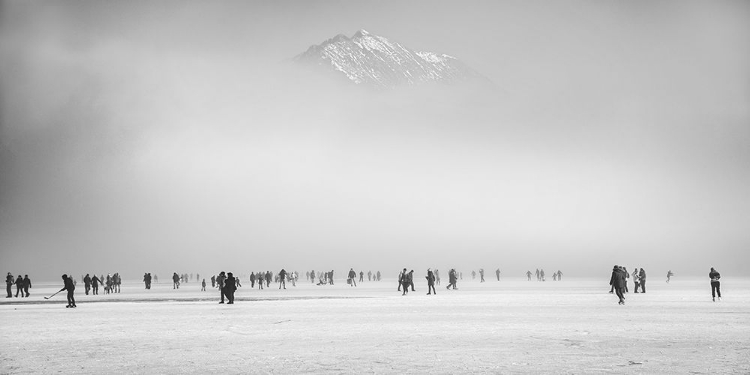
x: 511, y: 326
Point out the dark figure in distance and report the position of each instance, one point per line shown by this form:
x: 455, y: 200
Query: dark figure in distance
x: 87, y: 284
x: 528, y: 274
x: 175, y: 281
x: 617, y: 281
x: 9, y: 285
x: 715, y: 284
x: 451, y: 279
x: 669, y: 275
x: 642, y: 278
x: 430, y: 282
x: 95, y: 285
x: 26, y: 284
x: 481, y: 275
x: 404, y: 281
x: 230, y: 285
x: 282, y: 278
x: 410, y: 277
x: 361, y: 276
x: 203, y: 285
x: 70, y: 287
x: 351, y: 278
x: 497, y: 273
x: 220, y: 282
x: 19, y: 285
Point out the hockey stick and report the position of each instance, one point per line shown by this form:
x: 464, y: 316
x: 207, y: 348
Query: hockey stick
x: 53, y: 294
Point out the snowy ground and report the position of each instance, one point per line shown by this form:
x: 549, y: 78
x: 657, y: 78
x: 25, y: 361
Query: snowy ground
x: 512, y: 326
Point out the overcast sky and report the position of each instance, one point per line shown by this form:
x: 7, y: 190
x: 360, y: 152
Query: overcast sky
x: 177, y: 137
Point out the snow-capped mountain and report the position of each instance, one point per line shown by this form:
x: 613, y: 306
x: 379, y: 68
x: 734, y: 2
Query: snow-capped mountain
x: 372, y: 60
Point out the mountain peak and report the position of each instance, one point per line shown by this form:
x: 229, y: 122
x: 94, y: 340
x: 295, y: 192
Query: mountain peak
x: 372, y: 60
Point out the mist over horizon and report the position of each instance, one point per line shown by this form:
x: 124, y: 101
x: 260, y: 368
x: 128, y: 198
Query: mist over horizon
x: 192, y: 144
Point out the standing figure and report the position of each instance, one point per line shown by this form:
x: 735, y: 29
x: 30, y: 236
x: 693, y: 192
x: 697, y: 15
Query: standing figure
x: 220, y: 282
x: 259, y: 279
x: 437, y: 276
x: 642, y: 277
x: 497, y: 273
x: 87, y: 283
x: 636, y: 280
x: 430, y: 282
x: 369, y: 275
x: 213, y: 280
x: 351, y: 278
x: 715, y: 284
x: 481, y: 275
x: 95, y: 281
x: 559, y: 275
x: 410, y: 278
x: 282, y: 278
x: 452, y: 279
x: 669, y: 275
x: 230, y: 285
x: 19, y: 286
x: 203, y: 285
x: 541, y: 274
x: 403, y: 281
x: 70, y: 287
x: 528, y: 275
x: 312, y: 276
x: 26, y: 284
x: 175, y: 281
x: 361, y: 276
x: 9, y: 285
x: 616, y: 280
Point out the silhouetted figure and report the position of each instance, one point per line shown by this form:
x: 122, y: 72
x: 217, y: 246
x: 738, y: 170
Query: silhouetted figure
x: 361, y: 276
x: 669, y: 276
x: 213, y: 280
x: 221, y: 283
x: 541, y: 274
x: 715, y: 284
x: 378, y: 274
x: 312, y: 276
x: 26, y: 284
x: 528, y: 275
x: 642, y: 277
x: 617, y: 280
x: 19, y: 286
x: 636, y: 280
x: 9, y: 285
x: 351, y: 278
x: 369, y: 275
x: 404, y: 281
x: 473, y: 274
x: 175, y: 281
x: 282, y: 278
x: 537, y: 275
x: 269, y: 277
x: 203, y: 285
x: 497, y: 273
x: 70, y: 287
x: 481, y: 275
x: 330, y: 277
x: 87, y: 283
x: 437, y: 276
x: 259, y: 279
x: 559, y: 275
x: 95, y: 281
x: 627, y: 276
x: 430, y: 282
x: 554, y: 276
x: 230, y: 285
x: 452, y: 279
x: 410, y: 277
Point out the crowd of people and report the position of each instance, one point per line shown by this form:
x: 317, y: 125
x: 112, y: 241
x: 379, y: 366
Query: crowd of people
x: 22, y: 285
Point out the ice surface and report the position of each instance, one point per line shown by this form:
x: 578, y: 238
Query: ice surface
x: 511, y: 326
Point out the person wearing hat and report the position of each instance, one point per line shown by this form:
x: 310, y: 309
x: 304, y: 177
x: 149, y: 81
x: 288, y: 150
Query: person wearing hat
x: 230, y: 285
x: 70, y: 287
x: 715, y: 284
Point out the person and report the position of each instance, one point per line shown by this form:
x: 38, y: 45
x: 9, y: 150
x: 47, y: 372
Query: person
x: 400, y: 279
x: 213, y: 280
x: 642, y: 277
x: 70, y: 287
x: 19, y: 286
x: 282, y: 278
x: 404, y: 281
x: 410, y: 277
x: 497, y: 273
x: 175, y: 281
x: 351, y: 277
x: 528, y: 275
x: 377, y: 274
x: 87, y: 284
x: 473, y: 274
x: 541, y: 274
x: 616, y: 280
x: 636, y: 280
x: 481, y: 275
x: 361, y: 276
x: 369, y: 275
x: 669, y: 275
x: 26, y: 284
x: 452, y: 279
x: 259, y: 280
x: 9, y: 285
x: 437, y: 276
x: 559, y: 275
x: 145, y: 280
x: 95, y: 281
x: 220, y: 282
x: 430, y: 282
x: 627, y: 276
x: 203, y: 285
x: 715, y: 284
x: 230, y: 285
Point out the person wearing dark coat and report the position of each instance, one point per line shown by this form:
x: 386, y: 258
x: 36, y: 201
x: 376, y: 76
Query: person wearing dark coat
x: 282, y: 278
x: 19, y: 285
x: 430, y: 282
x: 404, y: 281
x: 87, y: 284
x: 230, y: 285
x: 642, y: 278
x: 715, y: 284
x: 70, y: 287
x: 26, y: 284
x: 95, y: 281
x: 617, y: 280
x: 9, y: 285
x: 452, y: 279
x: 221, y: 283
x: 351, y: 277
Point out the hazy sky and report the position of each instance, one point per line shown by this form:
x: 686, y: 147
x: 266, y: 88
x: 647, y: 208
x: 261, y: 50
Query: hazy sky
x: 177, y: 137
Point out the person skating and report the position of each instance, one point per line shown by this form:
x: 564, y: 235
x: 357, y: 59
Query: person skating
x: 9, y: 285
x: 230, y: 285
x: 220, y: 282
x: 669, y: 276
x: 70, y: 287
x: 203, y: 285
x: 616, y: 280
x: 497, y: 273
x: 282, y: 278
x: 175, y: 281
x: 95, y: 281
x: 410, y: 277
x: 528, y: 275
x: 87, y: 284
x: 430, y: 282
x: 26, y: 284
x: 452, y: 279
x: 351, y: 277
x: 19, y: 285
x: 404, y: 281
x: 715, y: 284
x: 642, y: 277
x: 481, y: 275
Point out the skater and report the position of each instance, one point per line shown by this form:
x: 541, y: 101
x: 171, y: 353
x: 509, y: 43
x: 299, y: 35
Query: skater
x: 410, y: 277
x: 87, y: 284
x: 282, y: 278
x: 715, y: 284
x: 220, y: 282
x: 497, y: 273
x: 369, y: 275
x: 9, y: 285
x: 175, y: 281
x: 203, y: 285
x: 451, y: 279
x: 669, y: 275
x: 230, y: 285
x: 19, y: 285
x: 617, y: 280
x: 430, y: 282
x: 528, y: 275
x: 351, y: 278
x: 642, y: 277
x: 213, y: 280
x: 26, y: 284
x: 259, y: 280
x: 361, y: 276
x: 404, y: 282
x: 481, y: 275
x: 541, y: 274
x: 70, y: 287
x: 95, y: 284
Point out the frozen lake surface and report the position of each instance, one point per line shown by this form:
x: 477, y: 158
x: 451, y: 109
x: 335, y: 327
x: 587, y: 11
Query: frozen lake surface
x: 511, y: 326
